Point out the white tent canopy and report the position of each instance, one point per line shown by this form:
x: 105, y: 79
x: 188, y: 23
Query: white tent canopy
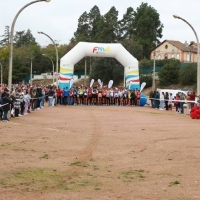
x: 113, y: 50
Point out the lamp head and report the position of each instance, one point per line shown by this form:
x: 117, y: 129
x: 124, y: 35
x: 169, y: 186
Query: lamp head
x: 176, y: 17
x: 47, y: 0
x: 39, y: 32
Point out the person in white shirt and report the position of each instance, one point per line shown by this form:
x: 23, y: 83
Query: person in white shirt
x: 162, y: 101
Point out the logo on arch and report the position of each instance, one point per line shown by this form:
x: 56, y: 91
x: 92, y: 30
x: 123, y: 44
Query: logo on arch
x: 101, y: 49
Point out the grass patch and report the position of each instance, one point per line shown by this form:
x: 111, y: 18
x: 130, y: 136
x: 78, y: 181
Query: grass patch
x: 46, y: 156
x: 45, y: 180
x: 80, y: 164
x: 132, y: 174
x: 175, y: 183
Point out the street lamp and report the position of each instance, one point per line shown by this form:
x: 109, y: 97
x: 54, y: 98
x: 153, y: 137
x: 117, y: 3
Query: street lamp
x: 198, y: 63
x: 56, y: 55
x: 11, y: 41
x: 154, y: 69
x: 31, y: 71
x: 85, y: 71
x: 52, y: 64
x: 1, y: 76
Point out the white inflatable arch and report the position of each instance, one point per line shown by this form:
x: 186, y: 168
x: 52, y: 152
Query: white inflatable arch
x: 113, y: 50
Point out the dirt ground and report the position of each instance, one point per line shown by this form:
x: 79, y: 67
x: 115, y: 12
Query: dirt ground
x: 100, y: 153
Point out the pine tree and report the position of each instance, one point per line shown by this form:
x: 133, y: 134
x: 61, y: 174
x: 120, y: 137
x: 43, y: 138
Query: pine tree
x: 6, y: 37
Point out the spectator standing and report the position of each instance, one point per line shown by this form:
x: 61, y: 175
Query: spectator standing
x: 182, y: 98
x: 6, y: 106
x: 192, y: 98
x: 59, y: 95
x: 166, y: 98
x: 176, y: 103
x: 157, y: 100
x: 162, y: 101
x: 65, y: 96
x: 170, y: 102
x: 50, y: 96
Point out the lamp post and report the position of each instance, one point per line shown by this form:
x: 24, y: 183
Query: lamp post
x: 31, y: 71
x: 85, y: 71
x: 198, y: 64
x: 1, y: 75
x: 11, y: 41
x: 52, y: 64
x: 56, y: 55
x: 154, y: 68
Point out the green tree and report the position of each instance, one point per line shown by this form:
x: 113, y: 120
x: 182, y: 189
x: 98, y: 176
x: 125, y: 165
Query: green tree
x: 169, y: 73
x: 5, y: 41
x: 147, y: 79
x: 94, y: 16
x: 126, y: 25
x: 82, y: 32
x: 148, y: 27
x: 108, y: 27
x: 4, y: 55
x: 23, y: 38
x: 133, y: 48
x: 107, y: 69
x: 188, y: 74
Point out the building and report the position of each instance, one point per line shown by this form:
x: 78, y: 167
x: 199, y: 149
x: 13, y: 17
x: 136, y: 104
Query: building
x: 169, y: 49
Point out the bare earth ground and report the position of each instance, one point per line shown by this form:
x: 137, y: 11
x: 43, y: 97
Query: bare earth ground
x: 100, y: 153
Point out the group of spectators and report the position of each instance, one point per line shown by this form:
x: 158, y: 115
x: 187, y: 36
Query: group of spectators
x: 22, y: 99
x: 165, y: 101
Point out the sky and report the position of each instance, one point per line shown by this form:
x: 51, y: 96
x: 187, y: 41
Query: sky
x: 59, y: 18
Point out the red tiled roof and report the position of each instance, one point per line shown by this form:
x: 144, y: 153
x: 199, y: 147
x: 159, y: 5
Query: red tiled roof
x: 180, y: 45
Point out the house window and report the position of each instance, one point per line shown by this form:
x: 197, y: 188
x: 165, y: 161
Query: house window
x: 159, y: 57
x: 187, y: 57
x: 172, y: 55
x: 166, y: 56
x: 166, y: 46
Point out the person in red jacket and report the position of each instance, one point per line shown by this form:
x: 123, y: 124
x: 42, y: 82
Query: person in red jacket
x: 176, y: 102
x: 59, y: 95
x: 192, y: 98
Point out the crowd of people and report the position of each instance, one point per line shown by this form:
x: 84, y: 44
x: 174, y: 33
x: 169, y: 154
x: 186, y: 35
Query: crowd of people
x: 23, y: 99
x: 165, y: 101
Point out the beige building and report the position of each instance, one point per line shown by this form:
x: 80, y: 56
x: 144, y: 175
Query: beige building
x: 174, y: 49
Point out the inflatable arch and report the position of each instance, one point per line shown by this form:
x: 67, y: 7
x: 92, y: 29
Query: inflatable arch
x: 113, y: 50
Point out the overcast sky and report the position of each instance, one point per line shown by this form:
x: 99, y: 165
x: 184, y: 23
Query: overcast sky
x: 59, y: 18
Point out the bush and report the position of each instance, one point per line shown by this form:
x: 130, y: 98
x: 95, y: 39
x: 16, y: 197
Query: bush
x: 147, y: 79
x: 169, y: 73
x: 188, y: 74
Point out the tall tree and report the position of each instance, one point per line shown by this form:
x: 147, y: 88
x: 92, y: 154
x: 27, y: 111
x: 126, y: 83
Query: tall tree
x: 6, y: 37
x: 127, y: 24
x: 148, y: 27
x: 134, y: 48
x: 23, y: 38
x: 94, y: 18
x: 108, y: 27
x: 82, y: 32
